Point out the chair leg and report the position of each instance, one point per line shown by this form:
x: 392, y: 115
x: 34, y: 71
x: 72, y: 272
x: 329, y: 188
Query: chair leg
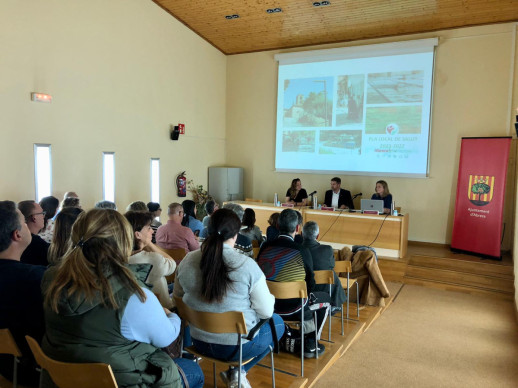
x: 329, y: 336
x: 342, y: 313
x: 240, y: 362
x: 15, y: 372
x: 302, y: 341
x: 214, y: 374
x: 348, y: 295
x: 316, y: 334
x: 273, y: 367
x: 357, y: 302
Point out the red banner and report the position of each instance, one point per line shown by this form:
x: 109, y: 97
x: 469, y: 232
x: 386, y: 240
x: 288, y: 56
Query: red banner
x: 479, y: 207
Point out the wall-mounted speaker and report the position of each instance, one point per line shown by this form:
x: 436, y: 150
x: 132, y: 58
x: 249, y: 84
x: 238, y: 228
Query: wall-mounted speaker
x: 175, y: 133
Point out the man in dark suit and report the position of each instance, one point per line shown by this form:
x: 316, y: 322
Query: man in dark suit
x: 337, y: 197
x: 323, y: 259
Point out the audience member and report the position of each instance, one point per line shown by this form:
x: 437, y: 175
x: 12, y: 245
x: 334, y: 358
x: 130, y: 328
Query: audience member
x: 36, y: 252
x: 50, y: 207
x: 210, y: 207
x: 283, y: 260
x: 323, y: 259
x: 61, y: 239
x: 243, y: 243
x: 298, y: 236
x: 71, y: 202
x: 272, y: 232
x: 219, y: 279
x: 145, y: 252
x: 249, y: 228
x: 137, y: 206
x: 70, y: 194
x: 105, y: 205
x: 21, y: 302
x: 107, y: 313
x: 189, y: 217
x: 156, y: 211
x: 173, y: 235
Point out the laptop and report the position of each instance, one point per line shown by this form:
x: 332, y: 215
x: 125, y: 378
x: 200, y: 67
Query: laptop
x: 372, y: 205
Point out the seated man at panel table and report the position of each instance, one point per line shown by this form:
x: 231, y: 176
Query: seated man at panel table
x: 337, y: 197
x: 36, y: 252
x: 173, y: 234
x: 323, y: 259
x: 21, y: 302
x: 283, y: 260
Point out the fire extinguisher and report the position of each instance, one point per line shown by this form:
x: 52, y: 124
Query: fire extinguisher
x: 181, y: 185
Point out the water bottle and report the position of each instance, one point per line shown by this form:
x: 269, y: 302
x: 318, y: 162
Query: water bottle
x: 315, y: 202
x: 275, y: 199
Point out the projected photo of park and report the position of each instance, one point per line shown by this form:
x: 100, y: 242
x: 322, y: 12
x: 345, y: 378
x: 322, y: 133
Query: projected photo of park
x: 298, y: 141
x: 340, y: 142
x: 308, y: 102
x: 349, y: 99
x: 395, y: 87
x: 393, y: 120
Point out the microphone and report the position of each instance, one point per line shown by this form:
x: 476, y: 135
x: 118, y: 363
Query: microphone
x: 357, y: 195
x: 314, y: 192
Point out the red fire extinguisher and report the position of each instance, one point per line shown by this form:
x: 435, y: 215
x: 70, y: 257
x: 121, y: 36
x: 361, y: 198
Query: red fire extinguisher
x: 181, y: 185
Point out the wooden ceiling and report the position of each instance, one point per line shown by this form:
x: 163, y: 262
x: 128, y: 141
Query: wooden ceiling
x: 302, y: 24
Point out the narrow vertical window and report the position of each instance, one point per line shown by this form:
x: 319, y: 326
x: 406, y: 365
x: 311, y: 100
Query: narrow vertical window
x: 42, y: 170
x: 109, y: 176
x: 155, y: 180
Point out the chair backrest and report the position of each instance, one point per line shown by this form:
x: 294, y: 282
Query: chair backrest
x: 256, y: 251
x: 343, y: 266
x: 253, y: 200
x: 255, y: 243
x: 228, y: 322
x: 336, y: 254
x: 176, y: 253
x: 73, y: 375
x: 324, y: 277
x: 288, y: 290
x: 7, y: 344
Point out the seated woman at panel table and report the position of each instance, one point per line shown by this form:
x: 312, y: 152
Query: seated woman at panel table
x: 219, y: 279
x: 383, y: 193
x: 296, y: 194
x: 97, y: 309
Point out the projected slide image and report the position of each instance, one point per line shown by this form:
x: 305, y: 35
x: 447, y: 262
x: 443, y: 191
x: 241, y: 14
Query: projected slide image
x: 308, y: 102
x: 395, y: 87
x: 298, y: 141
x: 393, y: 120
x: 349, y: 99
x: 340, y: 142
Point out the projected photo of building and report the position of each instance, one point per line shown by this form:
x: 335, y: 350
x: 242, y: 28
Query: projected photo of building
x: 349, y: 99
x: 395, y: 87
x: 393, y: 120
x: 298, y: 141
x: 308, y: 102
x: 340, y: 142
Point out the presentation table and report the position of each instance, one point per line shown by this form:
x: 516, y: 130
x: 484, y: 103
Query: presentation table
x: 387, y: 234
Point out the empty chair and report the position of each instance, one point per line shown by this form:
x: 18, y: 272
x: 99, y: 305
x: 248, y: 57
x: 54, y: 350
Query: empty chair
x: 327, y: 277
x: 347, y: 283
x: 72, y: 375
x: 8, y: 346
x: 228, y: 322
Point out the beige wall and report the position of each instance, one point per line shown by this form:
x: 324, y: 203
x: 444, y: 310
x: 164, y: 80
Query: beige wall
x: 471, y: 91
x: 120, y: 73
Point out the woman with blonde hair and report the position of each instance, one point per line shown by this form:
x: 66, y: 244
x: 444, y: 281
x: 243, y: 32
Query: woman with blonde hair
x: 97, y: 308
x: 383, y: 193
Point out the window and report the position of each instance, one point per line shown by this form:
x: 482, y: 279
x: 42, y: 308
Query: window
x: 42, y: 170
x: 109, y: 176
x: 155, y: 180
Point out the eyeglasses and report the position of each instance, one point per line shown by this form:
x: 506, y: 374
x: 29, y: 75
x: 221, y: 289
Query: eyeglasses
x: 36, y: 214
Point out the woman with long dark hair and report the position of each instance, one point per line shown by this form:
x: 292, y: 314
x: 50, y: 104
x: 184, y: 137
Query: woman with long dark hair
x: 249, y: 228
x: 219, y: 279
x: 97, y: 308
x: 62, y: 229
x: 50, y: 206
x: 189, y: 217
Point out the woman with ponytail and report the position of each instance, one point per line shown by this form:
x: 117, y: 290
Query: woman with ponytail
x: 98, y: 309
x: 219, y: 279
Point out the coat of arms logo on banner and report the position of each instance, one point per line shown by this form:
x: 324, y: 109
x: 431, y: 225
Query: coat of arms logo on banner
x: 480, y: 189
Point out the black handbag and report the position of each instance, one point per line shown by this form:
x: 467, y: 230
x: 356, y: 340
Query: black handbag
x: 290, y: 341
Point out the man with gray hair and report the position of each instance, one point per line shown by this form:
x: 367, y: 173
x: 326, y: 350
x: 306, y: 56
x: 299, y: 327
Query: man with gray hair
x: 105, y: 205
x: 323, y: 259
x: 173, y: 234
x: 243, y: 244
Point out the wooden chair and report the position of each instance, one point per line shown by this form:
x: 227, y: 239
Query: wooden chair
x: 295, y: 290
x: 228, y: 322
x: 8, y: 346
x: 327, y: 277
x: 253, y: 200
x: 177, y: 254
x: 73, y: 375
x: 347, y: 283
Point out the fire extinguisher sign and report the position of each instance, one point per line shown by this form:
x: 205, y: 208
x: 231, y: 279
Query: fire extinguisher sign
x: 181, y: 128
